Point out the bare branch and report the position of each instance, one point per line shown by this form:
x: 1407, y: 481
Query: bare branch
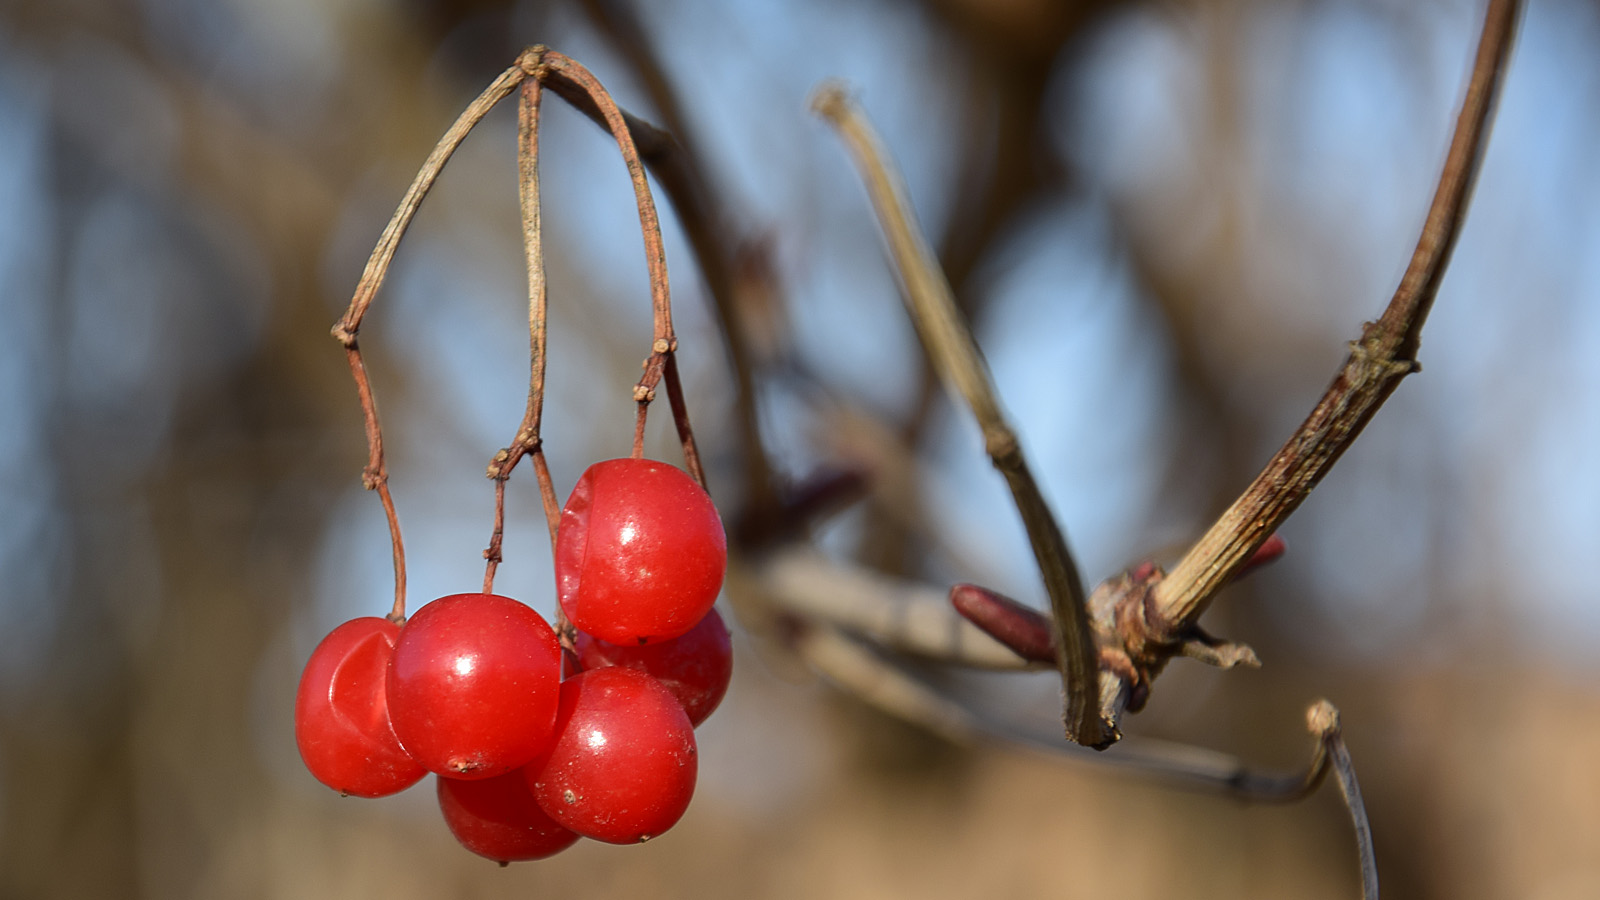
x: 955, y: 353
x: 1378, y: 361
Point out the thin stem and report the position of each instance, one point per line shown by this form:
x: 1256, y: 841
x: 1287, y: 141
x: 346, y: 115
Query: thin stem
x: 376, y: 474
x: 382, y: 254
x: 492, y: 554
x: 533, y: 249
x: 1323, y: 720
x: 563, y: 75
x: 638, y: 429
x: 547, y: 495
x: 1378, y: 361
x: 680, y: 418
x: 955, y: 353
x: 671, y: 158
x: 527, y: 440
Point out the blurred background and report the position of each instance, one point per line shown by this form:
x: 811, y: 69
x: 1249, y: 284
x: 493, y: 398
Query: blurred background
x: 1165, y: 221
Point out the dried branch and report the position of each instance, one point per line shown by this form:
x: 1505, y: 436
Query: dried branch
x: 1145, y: 617
x: 527, y: 440
x: 376, y: 474
x: 578, y: 86
x: 670, y: 156
x: 1027, y: 631
x: 1383, y: 355
x: 955, y: 352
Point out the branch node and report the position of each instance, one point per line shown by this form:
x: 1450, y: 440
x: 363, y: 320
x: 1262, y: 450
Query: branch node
x: 1369, y: 354
x: 1322, y: 719
x: 497, y: 466
x: 1002, y: 447
x: 531, y: 60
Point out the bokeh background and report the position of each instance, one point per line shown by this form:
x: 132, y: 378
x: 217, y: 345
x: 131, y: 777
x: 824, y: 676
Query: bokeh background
x: 1165, y: 221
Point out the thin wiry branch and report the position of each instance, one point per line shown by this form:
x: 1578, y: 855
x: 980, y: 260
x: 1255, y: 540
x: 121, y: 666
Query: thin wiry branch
x: 670, y: 155
x: 376, y: 474
x: 527, y: 441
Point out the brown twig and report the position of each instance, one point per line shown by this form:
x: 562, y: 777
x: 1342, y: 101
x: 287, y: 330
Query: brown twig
x: 566, y: 76
x: 527, y: 440
x: 1323, y: 721
x: 376, y: 474
x: 955, y: 352
x: 1027, y: 633
x: 1145, y: 617
x: 671, y: 158
x: 680, y: 419
x: 1383, y: 355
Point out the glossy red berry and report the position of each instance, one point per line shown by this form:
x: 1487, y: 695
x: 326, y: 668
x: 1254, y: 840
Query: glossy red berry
x: 341, y: 713
x: 695, y: 666
x: 640, y: 554
x: 474, y: 684
x: 497, y: 818
x: 624, y: 763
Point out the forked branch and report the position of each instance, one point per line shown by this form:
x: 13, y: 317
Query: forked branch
x: 535, y: 67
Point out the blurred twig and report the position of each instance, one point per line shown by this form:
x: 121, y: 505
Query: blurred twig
x: 902, y: 615
x: 955, y: 352
x: 860, y: 668
x: 1323, y: 720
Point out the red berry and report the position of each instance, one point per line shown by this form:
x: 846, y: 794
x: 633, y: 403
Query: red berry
x: 473, y: 685
x: 624, y: 763
x: 640, y: 554
x: 341, y: 714
x: 695, y: 666
x: 498, y: 818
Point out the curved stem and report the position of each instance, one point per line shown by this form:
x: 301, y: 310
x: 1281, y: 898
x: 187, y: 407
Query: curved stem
x: 376, y: 474
x: 954, y: 351
x: 1384, y: 354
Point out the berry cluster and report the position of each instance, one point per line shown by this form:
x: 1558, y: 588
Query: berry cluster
x: 471, y: 687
